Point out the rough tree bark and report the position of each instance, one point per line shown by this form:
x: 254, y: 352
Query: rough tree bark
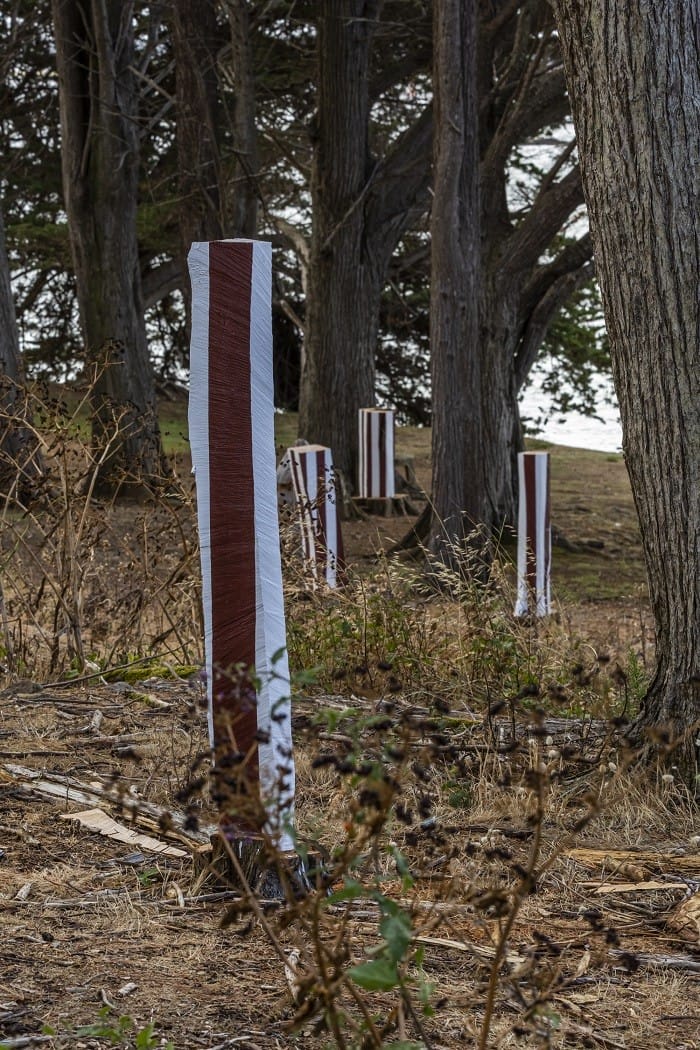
x: 457, y: 433
x: 243, y: 189
x: 634, y: 80
x: 521, y: 92
x: 100, y: 160
x: 196, y: 40
x: 361, y: 206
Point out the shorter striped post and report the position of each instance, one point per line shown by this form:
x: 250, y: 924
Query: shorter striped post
x: 534, y: 535
x: 376, y: 454
x: 314, y: 482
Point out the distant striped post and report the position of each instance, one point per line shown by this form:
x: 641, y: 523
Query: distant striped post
x: 376, y: 454
x: 233, y: 453
x: 314, y: 482
x: 534, y: 535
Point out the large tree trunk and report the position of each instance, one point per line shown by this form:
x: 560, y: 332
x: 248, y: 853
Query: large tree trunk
x: 20, y: 460
x: 100, y: 159
x: 335, y: 385
x: 195, y: 45
x: 634, y: 80
x: 457, y: 440
x: 361, y: 207
x: 502, y: 437
x: 243, y: 188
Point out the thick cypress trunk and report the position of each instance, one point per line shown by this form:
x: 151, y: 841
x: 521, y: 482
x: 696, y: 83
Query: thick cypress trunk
x: 342, y: 286
x: 502, y: 437
x: 634, y: 80
x: 457, y: 439
x: 99, y: 151
x: 195, y: 45
x: 361, y: 207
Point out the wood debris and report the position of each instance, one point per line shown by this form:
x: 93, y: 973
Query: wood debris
x: 97, y: 820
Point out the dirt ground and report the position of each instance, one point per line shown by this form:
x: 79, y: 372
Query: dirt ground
x: 89, y: 924
x: 605, y: 953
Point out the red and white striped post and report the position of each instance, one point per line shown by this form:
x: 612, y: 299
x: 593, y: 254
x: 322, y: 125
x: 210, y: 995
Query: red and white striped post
x: 231, y: 425
x: 534, y: 535
x: 376, y: 454
x: 314, y: 482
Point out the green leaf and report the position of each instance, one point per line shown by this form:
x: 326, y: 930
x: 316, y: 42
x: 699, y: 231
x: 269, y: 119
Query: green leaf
x: 396, y: 931
x: 144, y: 1039
x: 350, y: 892
x: 380, y: 975
x: 402, y: 868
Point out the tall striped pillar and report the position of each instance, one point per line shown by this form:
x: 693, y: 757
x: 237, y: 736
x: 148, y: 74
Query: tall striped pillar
x: 534, y: 535
x: 376, y: 454
x: 231, y: 416
x: 314, y: 481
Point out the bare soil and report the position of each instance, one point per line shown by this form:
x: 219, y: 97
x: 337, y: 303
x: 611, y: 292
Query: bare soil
x: 89, y: 924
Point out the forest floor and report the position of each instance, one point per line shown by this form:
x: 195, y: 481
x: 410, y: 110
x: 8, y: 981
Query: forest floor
x: 107, y: 942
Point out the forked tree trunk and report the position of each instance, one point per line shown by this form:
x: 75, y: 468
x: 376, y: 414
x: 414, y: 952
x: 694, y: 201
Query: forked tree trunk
x: 457, y: 435
x: 100, y: 160
x: 634, y: 80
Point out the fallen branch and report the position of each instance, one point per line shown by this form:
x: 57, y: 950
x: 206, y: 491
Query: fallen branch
x: 168, y: 823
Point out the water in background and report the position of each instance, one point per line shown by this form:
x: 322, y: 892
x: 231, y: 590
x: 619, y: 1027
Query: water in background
x: 574, y: 429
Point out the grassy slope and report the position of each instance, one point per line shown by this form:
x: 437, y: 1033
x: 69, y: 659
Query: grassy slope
x: 592, y: 507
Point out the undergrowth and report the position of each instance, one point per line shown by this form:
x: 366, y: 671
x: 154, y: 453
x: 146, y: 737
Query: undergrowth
x: 85, y: 582
x: 449, y: 755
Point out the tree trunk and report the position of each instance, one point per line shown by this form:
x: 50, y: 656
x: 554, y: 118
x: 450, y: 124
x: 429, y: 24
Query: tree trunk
x: 634, y: 80
x: 457, y: 438
x: 502, y: 436
x: 342, y: 286
x: 99, y: 151
x: 243, y: 190
x: 195, y: 45
x: 361, y: 206
x: 20, y: 460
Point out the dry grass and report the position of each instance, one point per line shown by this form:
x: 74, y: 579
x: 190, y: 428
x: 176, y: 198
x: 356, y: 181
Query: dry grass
x: 495, y: 736
x: 96, y: 919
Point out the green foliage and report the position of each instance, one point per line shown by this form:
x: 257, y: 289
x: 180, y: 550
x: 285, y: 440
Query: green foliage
x: 371, y: 631
x: 119, y: 1030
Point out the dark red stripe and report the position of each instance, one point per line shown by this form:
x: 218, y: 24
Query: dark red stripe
x: 381, y: 443
x: 531, y: 527
x: 231, y: 510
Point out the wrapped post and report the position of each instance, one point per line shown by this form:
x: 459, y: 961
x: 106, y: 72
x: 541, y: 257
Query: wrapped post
x: 231, y: 425
x: 534, y: 535
x: 376, y: 454
x: 314, y: 482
